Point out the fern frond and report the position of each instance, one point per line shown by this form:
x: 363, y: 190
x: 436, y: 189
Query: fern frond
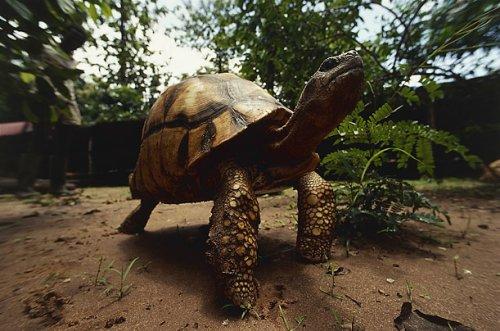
x: 423, y: 150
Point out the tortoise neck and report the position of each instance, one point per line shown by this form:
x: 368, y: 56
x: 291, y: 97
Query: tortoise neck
x: 305, y: 129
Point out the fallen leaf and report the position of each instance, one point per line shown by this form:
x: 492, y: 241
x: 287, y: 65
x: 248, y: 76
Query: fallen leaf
x: 410, y: 319
x: 383, y: 293
x: 114, y: 321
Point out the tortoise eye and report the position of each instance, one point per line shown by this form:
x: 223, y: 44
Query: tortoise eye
x: 329, y: 64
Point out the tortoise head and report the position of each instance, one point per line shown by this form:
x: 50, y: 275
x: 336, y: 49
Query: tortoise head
x: 327, y: 98
x: 334, y: 88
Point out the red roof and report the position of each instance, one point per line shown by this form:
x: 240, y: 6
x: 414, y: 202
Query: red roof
x: 15, y: 128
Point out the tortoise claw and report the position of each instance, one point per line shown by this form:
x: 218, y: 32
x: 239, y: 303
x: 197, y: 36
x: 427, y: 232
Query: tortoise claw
x: 242, y: 292
x: 314, y: 250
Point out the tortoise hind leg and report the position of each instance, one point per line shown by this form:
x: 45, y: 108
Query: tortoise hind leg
x: 232, y: 239
x: 316, y: 217
x: 137, y: 219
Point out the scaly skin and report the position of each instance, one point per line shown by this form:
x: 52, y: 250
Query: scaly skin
x: 232, y: 239
x: 137, y: 219
x: 316, y: 218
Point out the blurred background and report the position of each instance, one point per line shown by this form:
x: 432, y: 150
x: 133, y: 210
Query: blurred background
x: 432, y: 78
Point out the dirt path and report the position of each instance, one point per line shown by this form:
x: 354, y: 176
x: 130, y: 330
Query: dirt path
x: 50, y: 256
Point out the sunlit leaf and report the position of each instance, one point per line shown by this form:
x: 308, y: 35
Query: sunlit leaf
x: 93, y: 12
x: 27, y: 77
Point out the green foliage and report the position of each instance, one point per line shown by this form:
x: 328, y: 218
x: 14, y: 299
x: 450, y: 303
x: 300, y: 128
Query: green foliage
x: 28, y: 82
x: 128, y: 85
x: 101, y: 102
x: 376, y: 132
x: 382, y: 205
x: 271, y: 40
x: 281, y: 43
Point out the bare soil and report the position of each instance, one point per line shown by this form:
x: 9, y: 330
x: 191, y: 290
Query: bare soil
x: 50, y: 251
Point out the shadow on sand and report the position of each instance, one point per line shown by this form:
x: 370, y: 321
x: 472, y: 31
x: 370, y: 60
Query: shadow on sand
x: 178, y: 256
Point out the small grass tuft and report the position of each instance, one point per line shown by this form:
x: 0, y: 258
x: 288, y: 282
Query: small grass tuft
x: 283, y: 318
x: 300, y: 320
x: 123, y: 288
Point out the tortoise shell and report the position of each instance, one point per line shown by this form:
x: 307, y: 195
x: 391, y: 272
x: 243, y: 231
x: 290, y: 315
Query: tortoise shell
x: 199, y: 122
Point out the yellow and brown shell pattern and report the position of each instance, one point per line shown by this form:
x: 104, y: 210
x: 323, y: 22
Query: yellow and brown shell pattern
x: 187, y: 123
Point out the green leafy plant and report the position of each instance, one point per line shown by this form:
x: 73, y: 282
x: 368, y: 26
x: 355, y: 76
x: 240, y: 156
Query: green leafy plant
x: 123, y: 288
x: 29, y: 82
x: 382, y: 204
x: 128, y: 81
x: 362, y: 136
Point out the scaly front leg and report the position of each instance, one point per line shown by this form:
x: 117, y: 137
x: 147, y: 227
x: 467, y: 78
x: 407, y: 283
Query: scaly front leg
x: 316, y: 218
x: 232, y: 237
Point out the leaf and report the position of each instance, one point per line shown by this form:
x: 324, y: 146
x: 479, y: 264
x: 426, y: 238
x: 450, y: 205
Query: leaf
x: 424, y: 153
x: 433, y: 89
x: 427, y: 218
x: 93, y: 12
x: 379, y: 153
x: 27, y: 77
x: 381, y: 113
x: 129, y: 267
x: 410, y: 96
x: 106, y: 9
x: 21, y: 9
x: 119, y: 272
x: 410, y: 319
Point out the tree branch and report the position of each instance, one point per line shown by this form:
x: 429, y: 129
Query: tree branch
x: 405, y: 33
x: 390, y: 10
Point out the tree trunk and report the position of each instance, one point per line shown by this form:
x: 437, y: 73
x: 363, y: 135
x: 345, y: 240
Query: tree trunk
x: 122, y: 55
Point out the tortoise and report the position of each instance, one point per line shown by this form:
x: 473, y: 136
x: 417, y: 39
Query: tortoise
x: 222, y: 138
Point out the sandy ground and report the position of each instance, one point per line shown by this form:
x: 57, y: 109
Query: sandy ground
x: 50, y: 251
